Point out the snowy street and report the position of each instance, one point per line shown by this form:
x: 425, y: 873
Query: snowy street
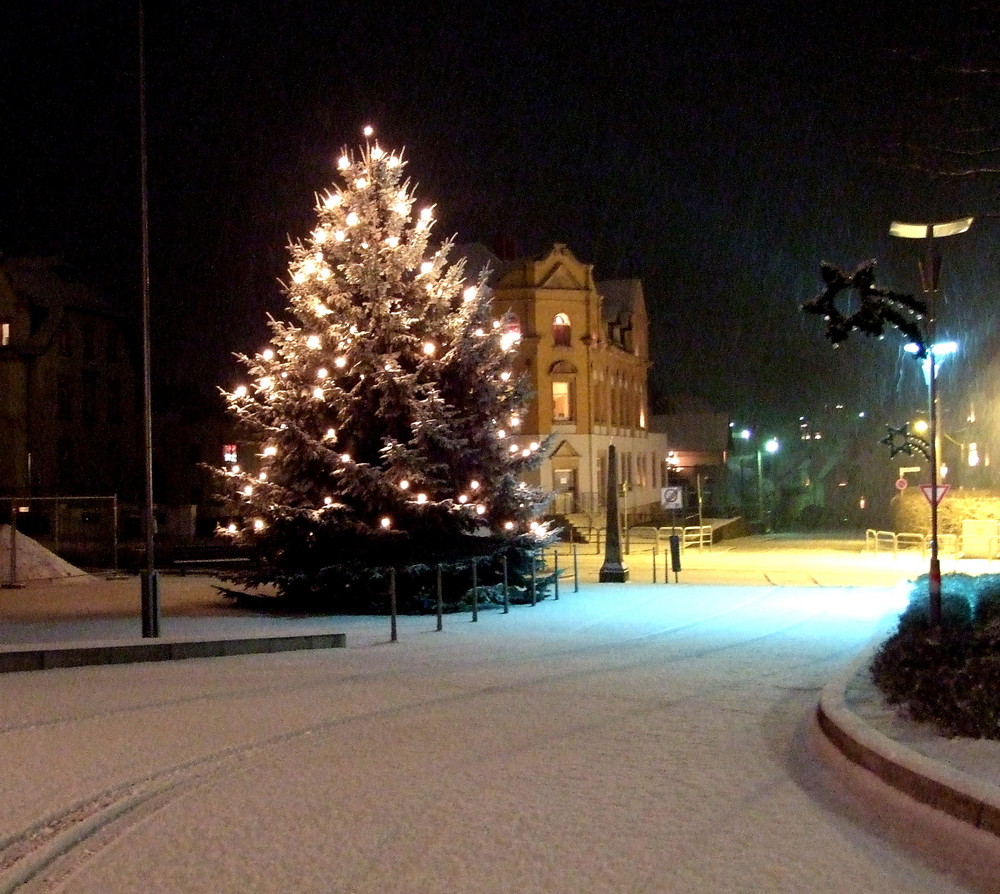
x: 623, y: 739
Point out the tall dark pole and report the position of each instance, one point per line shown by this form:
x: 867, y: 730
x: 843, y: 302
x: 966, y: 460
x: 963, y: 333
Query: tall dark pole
x: 930, y: 285
x: 930, y: 274
x: 150, y: 583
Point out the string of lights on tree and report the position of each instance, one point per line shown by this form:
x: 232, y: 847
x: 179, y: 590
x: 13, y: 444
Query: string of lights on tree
x: 390, y: 403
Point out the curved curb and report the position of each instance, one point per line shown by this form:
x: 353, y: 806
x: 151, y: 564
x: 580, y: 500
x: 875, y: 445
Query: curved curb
x: 926, y: 780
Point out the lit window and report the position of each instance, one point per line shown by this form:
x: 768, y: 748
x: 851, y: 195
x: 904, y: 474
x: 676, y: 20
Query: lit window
x: 561, y: 334
x: 562, y: 402
x: 4, y: 333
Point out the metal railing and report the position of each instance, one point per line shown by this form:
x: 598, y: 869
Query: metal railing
x: 907, y: 541
x: 698, y: 536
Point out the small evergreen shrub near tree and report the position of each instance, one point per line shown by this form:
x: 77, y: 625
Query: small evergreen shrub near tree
x: 950, y: 676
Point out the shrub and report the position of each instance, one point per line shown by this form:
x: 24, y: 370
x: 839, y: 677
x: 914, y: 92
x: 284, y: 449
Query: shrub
x: 366, y: 591
x: 949, y: 676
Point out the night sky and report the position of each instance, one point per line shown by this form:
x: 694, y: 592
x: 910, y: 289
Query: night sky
x: 717, y: 151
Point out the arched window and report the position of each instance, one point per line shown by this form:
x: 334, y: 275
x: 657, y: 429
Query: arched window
x: 561, y: 333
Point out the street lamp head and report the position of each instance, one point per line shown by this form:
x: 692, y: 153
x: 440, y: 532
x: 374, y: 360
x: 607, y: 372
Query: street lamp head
x: 940, y: 349
x: 772, y: 445
x: 745, y: 434
x: 930, y: 230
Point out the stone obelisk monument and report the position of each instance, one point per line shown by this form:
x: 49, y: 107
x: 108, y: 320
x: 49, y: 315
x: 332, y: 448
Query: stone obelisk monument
x: 613, y: 571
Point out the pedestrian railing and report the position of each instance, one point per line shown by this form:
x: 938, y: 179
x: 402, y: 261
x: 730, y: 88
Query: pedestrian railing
x: 877, y: 542
x: 696, y: 535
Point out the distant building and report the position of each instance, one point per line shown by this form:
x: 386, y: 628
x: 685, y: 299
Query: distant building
x: 699, y: 442
x: 698, y: 434
x: 585, y: 348
x: 69, y: 420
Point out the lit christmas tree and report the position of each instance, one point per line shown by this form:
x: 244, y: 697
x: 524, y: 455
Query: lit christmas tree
x: 387, y: 412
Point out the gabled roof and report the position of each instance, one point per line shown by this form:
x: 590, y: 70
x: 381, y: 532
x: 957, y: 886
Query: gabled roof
x: 694, y: 431
x: 558, y: 268
x: 565, y: 450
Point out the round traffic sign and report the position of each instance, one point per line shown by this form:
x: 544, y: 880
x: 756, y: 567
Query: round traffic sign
x: 901, y: 484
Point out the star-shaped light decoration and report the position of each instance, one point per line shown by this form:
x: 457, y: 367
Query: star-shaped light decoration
x: 901, y: 440
x: 877, y: 308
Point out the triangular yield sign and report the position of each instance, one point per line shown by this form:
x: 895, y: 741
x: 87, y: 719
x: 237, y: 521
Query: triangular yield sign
x: 928, y: 490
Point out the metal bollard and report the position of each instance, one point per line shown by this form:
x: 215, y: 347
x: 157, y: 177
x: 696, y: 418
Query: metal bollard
x: 440, y: 601
x: 556, y: 560
x: 506, y: 594
x: 475, y: 593
x: 534, y: 563
x: 576, y: 571
x: 392, y: 605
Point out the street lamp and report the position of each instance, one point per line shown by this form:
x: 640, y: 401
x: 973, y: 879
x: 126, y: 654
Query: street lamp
x: 770, y: 446
x: 930, y: 275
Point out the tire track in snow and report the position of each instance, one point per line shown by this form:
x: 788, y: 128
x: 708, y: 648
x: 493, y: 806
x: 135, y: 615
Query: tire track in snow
x: 46, y: 853
x: 296, y: 687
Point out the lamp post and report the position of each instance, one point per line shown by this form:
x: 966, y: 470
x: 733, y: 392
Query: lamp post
x: 770, y: 446
x: 149, y: 582
x: 930, y: 275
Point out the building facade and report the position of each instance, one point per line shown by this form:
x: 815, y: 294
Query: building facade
x: 585, y: 348
x: 69, y: 421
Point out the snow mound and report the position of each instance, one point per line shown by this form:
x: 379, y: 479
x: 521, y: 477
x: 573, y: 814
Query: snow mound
x: 32, y: 560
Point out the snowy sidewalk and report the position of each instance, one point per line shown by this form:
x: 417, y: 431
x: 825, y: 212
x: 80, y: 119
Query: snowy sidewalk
x: 625, y: 738
x: 570, y: 669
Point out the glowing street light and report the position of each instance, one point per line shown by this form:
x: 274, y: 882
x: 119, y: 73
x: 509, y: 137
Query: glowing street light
x: 939, y: 350
x: 930, y: 275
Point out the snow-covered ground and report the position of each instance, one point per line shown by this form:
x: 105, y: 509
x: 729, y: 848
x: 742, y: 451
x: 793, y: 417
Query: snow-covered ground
x: 623, y: 739
x: 24, y: 559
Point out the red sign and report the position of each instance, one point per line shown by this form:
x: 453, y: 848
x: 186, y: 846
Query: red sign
x: 901, y: 484
x: 928, y: 490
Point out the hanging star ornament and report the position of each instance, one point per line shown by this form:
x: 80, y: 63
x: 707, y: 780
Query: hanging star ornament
x: 901, y: 440
x: 877, y: 308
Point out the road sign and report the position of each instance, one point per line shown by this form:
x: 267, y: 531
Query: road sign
x: 928, y: 490
x: 901, y: 483
x: 672, y: 497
